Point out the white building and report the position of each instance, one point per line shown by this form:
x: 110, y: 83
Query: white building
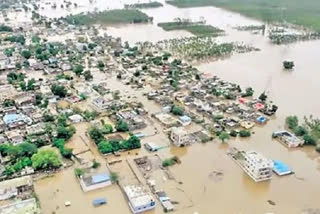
x: 140, y: 200
x: 257, y: 166
x: 100, y: 104
x: 96, y: 181
x: 76, y: 118
x: 179, y: 136
x: 288, y: 139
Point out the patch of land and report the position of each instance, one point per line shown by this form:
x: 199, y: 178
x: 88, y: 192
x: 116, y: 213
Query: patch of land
x: 197, y: 29
x: 109, y: 17
x: 152, y: 4
x: 291, y: 11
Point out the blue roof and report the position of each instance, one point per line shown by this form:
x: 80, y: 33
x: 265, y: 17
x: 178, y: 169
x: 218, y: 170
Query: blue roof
x: 139, y: 134
x: 281, y: 167
x: 185, y: 118
x: 98, y: 178
x: 9, y: 118
x: 99, y: 201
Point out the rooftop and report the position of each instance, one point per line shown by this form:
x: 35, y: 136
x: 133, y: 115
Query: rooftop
x: 138, y: 195
x: 96, y: 179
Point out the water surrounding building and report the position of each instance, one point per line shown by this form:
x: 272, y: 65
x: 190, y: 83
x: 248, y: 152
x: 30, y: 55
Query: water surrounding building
x: 288, y: 139
x: 15, y: 187
x: 179, y: 136
x: 140, y: 200
x: 21, y: 207
x: 92, y: 182
x: 257, y: 166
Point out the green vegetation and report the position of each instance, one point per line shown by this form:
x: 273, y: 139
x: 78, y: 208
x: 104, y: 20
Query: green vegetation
x: 109, y: 146
x: 177, y: 110
x: 233, y: 133
x: 60, y: 144
x: 292, y: 122
x: 152, y: 4
x: 87, y: 75
x: 223, y: 136
x: 305, y: 13
x: 77, y: 69
x: 309, y: 131
x: 170, y: 161
x: 248, y: 93
x: 15, y: 78
x: 244, y: 133
x: 122, y: 126
x: 96, y: 134
x: 8, y: 103
x: 197, y: 29
x: 201, y: 48
x: 114, y: 177
x: 59, y: 90
x: 64, y: 131
x: 78, y: 172
x: 288, y: 64
x: 45, y: 159
x: 4, y: 28
x: 96, y: 164
x: 109, y: 17
x: 251, y: 28
x: 16, y: 38
x: 263, y: 97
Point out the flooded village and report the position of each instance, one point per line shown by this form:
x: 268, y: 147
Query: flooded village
x: 146, y: 107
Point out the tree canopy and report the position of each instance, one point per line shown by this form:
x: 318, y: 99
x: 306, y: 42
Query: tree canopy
x: 45, y: 159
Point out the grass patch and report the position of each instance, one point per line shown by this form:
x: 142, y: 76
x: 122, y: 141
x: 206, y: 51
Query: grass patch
x: 306, y: 13
x: 109, y: 17
x: 197, y: 29
x: 153, y: 4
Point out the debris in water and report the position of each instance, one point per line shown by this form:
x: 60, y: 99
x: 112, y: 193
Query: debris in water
x: 271, y: 202
x: 216, y: 175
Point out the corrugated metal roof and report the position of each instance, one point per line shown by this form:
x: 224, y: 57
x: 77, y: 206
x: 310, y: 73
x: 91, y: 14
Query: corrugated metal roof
x: 98, y: 178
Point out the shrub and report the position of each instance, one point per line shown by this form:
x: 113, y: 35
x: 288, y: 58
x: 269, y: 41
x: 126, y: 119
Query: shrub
x: 244, y: 133
x: 233, y: 133
x: 309, y: 140
x: 168, y: 162
x: 301, y: 131
x: 176, y: 110
x: 78, y: 172
x: 292, y: 122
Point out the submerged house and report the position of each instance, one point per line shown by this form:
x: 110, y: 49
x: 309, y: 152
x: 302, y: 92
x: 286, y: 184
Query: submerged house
x: 15, y: 187
x: 257, y: 166
x: 140, y: 200
x: 96, y: 181
x: 179, y: 136
x: 288, y: 139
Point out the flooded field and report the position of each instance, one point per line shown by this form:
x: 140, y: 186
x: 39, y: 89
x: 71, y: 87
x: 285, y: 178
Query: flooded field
x: 295, y: 92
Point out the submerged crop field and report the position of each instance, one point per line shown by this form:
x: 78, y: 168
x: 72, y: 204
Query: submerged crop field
x: 306, y: 14
x: 109, y: 17
x: 152, y: 4
x: 197, y: 29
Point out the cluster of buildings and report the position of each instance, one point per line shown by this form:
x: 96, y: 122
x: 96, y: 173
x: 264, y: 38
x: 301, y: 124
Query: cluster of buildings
x: 16, y: 196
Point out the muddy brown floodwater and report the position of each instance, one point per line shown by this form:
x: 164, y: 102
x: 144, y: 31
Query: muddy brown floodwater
x: 295, y: 92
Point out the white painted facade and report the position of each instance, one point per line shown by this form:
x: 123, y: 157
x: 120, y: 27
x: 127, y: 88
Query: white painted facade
x: 257, y: 166
x: 179, y: 136
x: 140, y: 200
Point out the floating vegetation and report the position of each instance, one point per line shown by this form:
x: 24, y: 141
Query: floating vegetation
x: 251, y: 28
x: 153, y: 4
x: 285, y: 36
x: 200, y: 48
x: 109, y: 17
x: 196, y: 28
x: 288, y: 64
